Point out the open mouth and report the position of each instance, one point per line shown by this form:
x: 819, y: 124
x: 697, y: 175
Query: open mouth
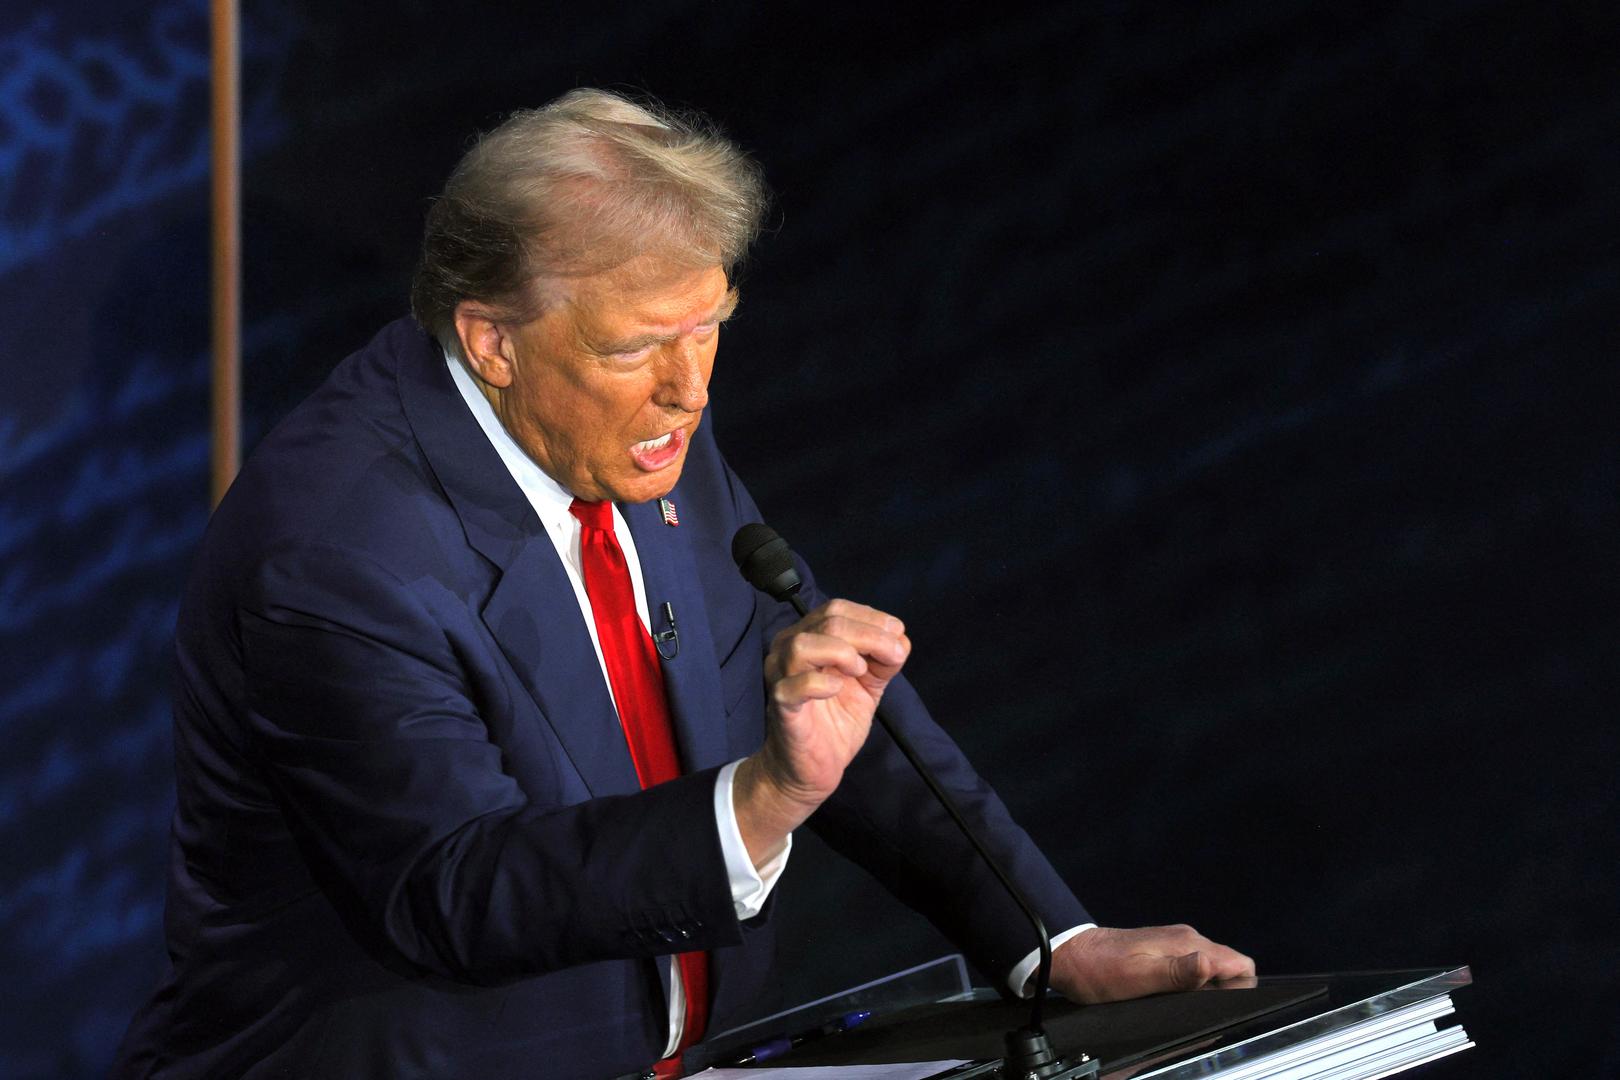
x: 654, y: 454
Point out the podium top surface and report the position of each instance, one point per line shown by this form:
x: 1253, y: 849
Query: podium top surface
x: 1166, y: 1037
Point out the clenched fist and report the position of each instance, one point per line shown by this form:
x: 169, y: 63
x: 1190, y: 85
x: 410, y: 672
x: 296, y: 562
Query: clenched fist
x: 824, y: 676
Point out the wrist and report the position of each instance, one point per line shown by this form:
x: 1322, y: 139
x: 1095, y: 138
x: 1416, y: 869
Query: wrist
x: 766, y: 815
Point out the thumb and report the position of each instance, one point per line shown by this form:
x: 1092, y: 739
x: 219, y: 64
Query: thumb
x: 1189, y: 971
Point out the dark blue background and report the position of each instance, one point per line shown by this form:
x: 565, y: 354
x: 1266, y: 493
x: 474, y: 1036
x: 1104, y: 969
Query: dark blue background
x: 1226, y: 398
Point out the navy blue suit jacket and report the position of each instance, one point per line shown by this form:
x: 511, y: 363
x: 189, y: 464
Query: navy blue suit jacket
x: 409, y: 840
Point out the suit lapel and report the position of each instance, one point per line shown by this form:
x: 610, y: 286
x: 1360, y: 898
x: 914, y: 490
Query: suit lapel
x: 531, y: 612
x: 534, y: 616
x: 691, y: 678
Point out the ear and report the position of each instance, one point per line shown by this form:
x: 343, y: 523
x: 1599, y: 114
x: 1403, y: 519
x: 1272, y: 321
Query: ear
x: 484, y: 344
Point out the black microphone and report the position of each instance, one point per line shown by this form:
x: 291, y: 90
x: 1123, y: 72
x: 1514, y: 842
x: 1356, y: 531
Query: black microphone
x: 671, y: 637
x: 766, y: 562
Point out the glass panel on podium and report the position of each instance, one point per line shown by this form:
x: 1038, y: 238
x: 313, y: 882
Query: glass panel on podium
x: 947, y: 979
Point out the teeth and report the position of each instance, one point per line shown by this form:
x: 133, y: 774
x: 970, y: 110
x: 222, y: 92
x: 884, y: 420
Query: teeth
x: 656, y: 444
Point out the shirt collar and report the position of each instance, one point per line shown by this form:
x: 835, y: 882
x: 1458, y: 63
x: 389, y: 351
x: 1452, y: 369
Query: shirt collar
x: 548, y: 497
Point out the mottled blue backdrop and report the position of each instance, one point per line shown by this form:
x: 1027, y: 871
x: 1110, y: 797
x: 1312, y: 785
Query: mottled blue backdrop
x: 103, y: 467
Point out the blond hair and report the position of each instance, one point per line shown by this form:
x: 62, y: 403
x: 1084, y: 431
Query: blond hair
x: 576, y: 187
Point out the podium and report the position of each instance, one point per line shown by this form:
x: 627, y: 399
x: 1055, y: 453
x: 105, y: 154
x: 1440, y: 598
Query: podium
x: 1341, y: 1026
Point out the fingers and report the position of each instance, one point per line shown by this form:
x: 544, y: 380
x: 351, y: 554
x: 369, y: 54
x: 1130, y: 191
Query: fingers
x: 1228, y: 963
x: 840, y: 636
x: 1215, y: 961
x: 1193, y: 970
x: 804, y: 652
x: 807, y: 686
x: 884, y: 642
x: 860, y: 613
x: 1109, y: 964
x: 874, y: 633
x: 1206, y: 962
x: 1186, y: 972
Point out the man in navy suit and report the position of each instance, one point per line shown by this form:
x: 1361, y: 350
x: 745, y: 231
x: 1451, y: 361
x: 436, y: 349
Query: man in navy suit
x: 411, y: 840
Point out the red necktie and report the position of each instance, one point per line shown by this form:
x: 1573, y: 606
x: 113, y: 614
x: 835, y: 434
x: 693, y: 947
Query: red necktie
x: 631, y: 659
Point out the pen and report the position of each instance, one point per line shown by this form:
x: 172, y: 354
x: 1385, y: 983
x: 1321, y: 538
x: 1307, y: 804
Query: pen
x: 781, y: 1045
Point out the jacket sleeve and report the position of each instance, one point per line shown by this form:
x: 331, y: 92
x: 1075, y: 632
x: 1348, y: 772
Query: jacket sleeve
x: 398, y: 800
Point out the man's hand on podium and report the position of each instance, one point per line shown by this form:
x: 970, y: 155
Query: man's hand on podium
x: 1109, y: 964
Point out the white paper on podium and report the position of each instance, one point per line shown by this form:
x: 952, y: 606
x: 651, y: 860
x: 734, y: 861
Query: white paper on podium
x: 914, y: 1070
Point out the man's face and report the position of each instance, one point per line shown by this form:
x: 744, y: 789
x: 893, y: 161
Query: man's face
x: 609, y: 385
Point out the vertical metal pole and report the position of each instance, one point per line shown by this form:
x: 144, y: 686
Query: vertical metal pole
x: 226, y: 378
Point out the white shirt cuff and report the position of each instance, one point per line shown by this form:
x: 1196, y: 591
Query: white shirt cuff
x: 749, y: 887
x: 1024, y: 971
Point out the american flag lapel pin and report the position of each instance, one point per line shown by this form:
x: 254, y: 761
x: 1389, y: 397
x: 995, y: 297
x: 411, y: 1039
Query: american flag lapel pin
x: 667, y: 508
